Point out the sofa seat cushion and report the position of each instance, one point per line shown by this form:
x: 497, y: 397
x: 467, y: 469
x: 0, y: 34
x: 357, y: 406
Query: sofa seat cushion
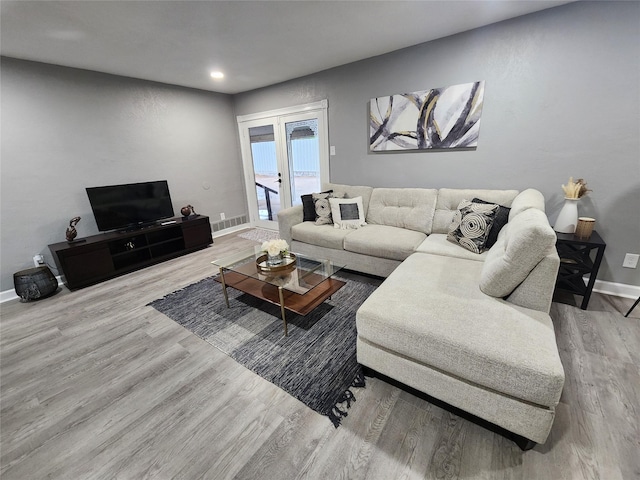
x: 430, y: 310
x: 410, y: 208
x: 437, y: 244
x: 321, y: 235
x: 383, y: 241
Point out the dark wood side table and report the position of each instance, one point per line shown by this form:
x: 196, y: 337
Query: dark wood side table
x: 576, y: 260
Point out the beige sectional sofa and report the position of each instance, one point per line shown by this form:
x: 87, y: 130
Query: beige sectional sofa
x: 469, y: 329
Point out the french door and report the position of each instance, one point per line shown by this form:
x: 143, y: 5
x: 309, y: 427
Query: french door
x: 285, y: 154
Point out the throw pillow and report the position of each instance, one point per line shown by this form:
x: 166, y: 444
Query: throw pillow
x: 308, y: 207
x: 347, y: 213
x: 500, y: 220
x: 471, y: 225
x: 323, y: 208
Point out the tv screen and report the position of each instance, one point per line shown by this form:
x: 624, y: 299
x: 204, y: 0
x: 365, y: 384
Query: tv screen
x: 120, y: 207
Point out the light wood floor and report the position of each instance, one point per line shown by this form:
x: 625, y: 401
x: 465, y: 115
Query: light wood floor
x: 94, y: 384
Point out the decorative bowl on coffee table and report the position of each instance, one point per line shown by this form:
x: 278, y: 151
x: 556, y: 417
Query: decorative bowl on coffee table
x: 288, y: 265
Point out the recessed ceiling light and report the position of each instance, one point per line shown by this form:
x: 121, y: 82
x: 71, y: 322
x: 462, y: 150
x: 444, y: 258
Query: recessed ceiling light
x: 217, y: 75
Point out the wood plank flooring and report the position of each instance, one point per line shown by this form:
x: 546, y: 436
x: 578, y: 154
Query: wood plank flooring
x: 96, y: 385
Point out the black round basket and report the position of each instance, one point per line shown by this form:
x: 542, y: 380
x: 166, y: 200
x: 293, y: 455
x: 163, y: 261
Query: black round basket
x: 34, y: 283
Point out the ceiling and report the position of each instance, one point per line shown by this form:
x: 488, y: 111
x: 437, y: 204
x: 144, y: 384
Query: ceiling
x: 255, y: 43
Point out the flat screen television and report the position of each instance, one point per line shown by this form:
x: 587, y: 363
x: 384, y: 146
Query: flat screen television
x: 130, y: 206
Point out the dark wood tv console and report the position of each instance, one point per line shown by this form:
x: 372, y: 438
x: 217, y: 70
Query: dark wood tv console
x: 100, y: 257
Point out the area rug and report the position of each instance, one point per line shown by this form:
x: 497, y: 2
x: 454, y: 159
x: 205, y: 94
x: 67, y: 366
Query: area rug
x: 259, y: 235
x: 316, y: 363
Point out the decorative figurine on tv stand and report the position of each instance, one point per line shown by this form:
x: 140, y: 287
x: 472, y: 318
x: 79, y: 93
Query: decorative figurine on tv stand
x: 188, y: 211
x: 72, y: 233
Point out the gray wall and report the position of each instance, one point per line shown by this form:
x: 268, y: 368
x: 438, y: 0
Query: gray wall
x: 562, y: 98
x: 65, y: 129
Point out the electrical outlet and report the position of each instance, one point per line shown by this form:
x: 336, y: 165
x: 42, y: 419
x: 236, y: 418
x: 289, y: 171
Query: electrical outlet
x: 631, y: 260
x: 38, y: 260
x: 222, y: 216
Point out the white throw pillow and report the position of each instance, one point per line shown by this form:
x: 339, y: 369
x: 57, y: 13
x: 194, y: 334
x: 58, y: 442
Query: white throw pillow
x: 347, y: 213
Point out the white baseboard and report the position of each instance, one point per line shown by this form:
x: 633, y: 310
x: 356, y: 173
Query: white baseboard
x: 8, y: 295
x: 617, y: 289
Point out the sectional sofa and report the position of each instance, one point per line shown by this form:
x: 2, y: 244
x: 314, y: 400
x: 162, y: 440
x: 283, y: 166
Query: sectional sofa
x: 470, y: 329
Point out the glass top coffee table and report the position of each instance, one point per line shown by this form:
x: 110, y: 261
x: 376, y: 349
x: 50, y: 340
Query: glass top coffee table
x: 299, y: 284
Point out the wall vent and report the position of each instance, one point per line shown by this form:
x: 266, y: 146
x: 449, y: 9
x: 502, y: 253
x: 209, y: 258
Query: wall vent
x: 229, y: 223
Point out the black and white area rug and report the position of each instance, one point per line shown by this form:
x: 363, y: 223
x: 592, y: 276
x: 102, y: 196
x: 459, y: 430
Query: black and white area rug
x: 316, y: 363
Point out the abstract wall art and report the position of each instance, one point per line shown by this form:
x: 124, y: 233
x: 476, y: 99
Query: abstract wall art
x: 440, y: 118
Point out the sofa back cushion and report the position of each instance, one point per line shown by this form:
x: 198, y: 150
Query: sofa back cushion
x: 350, y: 191
x: 410, y: 208
x: 449, y: 199
x: 536, y: 291
x: 522, y: 244
x: 529, y: 198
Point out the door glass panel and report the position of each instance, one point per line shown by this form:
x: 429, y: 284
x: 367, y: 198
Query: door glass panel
x: 265, y: 171
x: 285, y: 155
x: 303, y: 152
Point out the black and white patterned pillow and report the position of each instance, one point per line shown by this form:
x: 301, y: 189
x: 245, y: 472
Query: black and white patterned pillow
x: 323, y: 208
x: 308, y: 207
x: 500, y: 220
x: 471, y: 225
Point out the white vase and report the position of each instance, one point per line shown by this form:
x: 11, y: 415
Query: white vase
x: 568, y: 217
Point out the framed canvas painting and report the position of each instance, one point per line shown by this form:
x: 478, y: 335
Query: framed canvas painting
x: 439, y: 118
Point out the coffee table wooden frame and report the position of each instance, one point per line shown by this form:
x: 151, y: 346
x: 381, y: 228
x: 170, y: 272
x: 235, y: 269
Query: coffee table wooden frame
x: 242, y: 279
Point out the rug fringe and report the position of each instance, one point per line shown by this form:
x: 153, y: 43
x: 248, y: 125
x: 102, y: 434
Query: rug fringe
x: 359, y: 380
x: 339, y: 410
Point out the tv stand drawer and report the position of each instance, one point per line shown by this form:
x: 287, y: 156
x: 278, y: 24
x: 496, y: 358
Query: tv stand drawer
x: 82, y: 268
x: 197, y: 232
